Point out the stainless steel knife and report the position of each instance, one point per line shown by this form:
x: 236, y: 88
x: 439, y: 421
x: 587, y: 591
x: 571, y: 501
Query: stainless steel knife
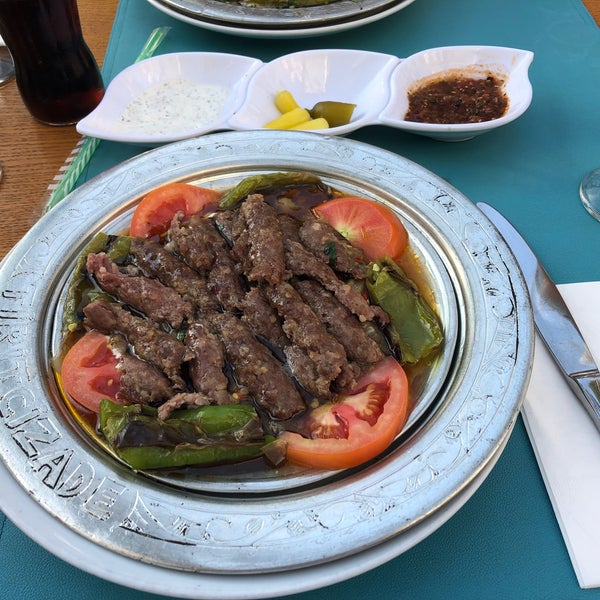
x: 553, y: 320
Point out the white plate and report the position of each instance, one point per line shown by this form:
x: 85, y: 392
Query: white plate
x: 80, y: 552
x: 378, y: 86
x: 234, y: 530
x: 232, y: 18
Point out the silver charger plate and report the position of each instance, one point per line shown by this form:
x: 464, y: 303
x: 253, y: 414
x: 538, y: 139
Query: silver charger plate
x: 248, y: 21
x: 240, y: 527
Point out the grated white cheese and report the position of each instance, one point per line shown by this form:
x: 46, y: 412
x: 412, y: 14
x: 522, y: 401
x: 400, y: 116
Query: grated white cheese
x: 173, y: 106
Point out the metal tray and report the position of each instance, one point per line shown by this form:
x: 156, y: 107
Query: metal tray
x: 250, y: 526
x: 248, y: 21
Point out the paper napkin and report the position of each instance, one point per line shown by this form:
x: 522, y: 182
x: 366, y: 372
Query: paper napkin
x: 566, y: 442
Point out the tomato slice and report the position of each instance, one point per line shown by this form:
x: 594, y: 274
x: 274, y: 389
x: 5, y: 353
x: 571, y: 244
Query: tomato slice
x: 358, y: 427
x: 368, y: 225
x: 89, y: 371
x: 154, y: 213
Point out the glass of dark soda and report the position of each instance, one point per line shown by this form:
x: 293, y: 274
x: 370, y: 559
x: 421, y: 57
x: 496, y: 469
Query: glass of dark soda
x: 57, y: 75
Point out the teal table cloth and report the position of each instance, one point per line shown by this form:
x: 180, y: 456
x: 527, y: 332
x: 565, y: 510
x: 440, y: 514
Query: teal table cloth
x: 504, y: 543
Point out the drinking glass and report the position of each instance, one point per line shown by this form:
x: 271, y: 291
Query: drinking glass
x: 7, y: 66
x: 589, y: 192
x: 57, y: 75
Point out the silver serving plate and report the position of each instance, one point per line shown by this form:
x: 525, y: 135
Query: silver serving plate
x: 241, y: 18
x: 270, y: 523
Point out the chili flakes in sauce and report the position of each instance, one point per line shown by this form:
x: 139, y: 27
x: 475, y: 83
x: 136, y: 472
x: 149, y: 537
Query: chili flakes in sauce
x: 457, y: 99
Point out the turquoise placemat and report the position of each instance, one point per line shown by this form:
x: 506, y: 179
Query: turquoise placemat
x: 529, y: 169
x: 505, y: 542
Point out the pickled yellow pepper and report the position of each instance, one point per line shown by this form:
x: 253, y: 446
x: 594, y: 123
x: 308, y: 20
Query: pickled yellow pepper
x: 322, y: 115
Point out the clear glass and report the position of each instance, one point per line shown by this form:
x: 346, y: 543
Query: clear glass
x: 589, y: 191
x: 7, y: 66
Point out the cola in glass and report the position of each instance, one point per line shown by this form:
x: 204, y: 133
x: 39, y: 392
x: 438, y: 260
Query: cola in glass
x: 56, y: 73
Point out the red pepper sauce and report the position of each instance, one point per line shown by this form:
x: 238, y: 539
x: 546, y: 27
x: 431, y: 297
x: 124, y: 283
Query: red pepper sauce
x: 457, y: 99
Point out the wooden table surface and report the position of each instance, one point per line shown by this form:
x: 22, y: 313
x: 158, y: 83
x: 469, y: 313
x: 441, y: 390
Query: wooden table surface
x: 32, y: 153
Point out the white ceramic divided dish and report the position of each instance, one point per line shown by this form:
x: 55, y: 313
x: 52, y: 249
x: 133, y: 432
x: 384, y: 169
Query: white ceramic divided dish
x: 377, y: 83
x: 511, y: 63
x: 210, y: 68
x: 354, y: 76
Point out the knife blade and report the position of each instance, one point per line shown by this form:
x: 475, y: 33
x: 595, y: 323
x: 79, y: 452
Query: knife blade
x: 553, y: 320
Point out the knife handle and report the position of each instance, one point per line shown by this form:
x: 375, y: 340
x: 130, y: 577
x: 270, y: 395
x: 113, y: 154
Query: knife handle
x: 587, y: 389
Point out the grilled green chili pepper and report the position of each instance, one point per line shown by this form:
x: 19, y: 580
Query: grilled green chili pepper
x: 70, y: 317
x: 414, y: 328
x: 117, y: 248
x: 220, y: 419
x: 185, y: 455
x: 204, y: 436
x: 264, y: 182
